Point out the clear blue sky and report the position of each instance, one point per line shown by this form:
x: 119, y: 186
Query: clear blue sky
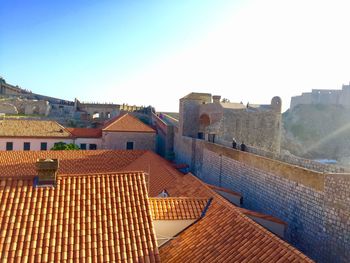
x: 154, y: 52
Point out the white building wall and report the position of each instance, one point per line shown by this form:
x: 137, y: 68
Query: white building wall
x: 34, y: 143
x: 88, y: 141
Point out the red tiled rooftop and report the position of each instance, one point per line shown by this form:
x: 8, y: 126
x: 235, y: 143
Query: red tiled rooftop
x: 224, y: 234
x: 85, y: 218
x: 15, y: 163
x: 32, y: 128
x: 177, y: 208
x: 127, y: 123
x: 85, y: 132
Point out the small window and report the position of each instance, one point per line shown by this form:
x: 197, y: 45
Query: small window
x: 201, y: 135
x: 83, y: 146
x: 92, y: 146
x: 26, y: 146
x: 43, y: 146
x: 9, y: 146
x: 130, y: 145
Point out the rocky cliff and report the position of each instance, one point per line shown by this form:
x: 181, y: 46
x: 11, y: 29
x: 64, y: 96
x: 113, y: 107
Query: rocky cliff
x: 317, y: 131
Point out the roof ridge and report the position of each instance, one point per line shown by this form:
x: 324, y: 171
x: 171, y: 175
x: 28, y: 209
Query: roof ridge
x: 118, y: 118
x: 98, y: 174
x: 179, y: 198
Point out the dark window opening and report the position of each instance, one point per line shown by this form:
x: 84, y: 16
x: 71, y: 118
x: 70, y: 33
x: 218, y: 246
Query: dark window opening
x: 83, y: 146
x: 9, y: 146
x: 92, y: 147
x: 211, y: 138
x: 130, y: 145
x: 26, y: 146
x: 201, y: 135
x: 43, y: 146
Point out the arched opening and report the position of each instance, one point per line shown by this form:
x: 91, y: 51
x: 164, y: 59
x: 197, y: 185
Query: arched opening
x: 96, y: 115
x: 204, y: 122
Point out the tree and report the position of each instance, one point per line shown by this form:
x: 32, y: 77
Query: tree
x: 59, y: 146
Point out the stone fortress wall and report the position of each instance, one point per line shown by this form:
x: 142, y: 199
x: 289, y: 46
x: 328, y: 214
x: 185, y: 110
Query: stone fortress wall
x: 21, y: 101
x: 315, y: 205
x: 205, y: 116
x: 328, y: 97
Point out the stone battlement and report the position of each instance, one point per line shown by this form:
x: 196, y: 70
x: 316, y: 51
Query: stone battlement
x: 319, y: 96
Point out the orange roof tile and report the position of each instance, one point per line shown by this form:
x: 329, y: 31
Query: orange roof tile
x: 224, y: 234
x: 85, y: 132
x: 32, y: 128
x: 14, y: 163
x: 177, y: 208
x: 85, y: 218
x: 127, y: 123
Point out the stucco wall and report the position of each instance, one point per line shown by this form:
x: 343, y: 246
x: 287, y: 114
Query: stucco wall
x: 34, y: 143
x: 88, y: 141
x: 118, y: 140
x: 315, y: 205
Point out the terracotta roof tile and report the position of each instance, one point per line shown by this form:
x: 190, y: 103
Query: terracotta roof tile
x: 85, y: 217
x: 126, y: 123
x: 224, y: 234
x: 85, y: 132
x: 14, y: 163
x: 180, y: 208
x: 32, y: 128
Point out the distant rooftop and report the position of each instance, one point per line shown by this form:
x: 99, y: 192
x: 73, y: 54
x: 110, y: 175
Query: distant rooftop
x: 32, y: 128
x: 127, y: 123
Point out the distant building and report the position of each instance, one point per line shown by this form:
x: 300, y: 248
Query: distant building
x: 123, y: 132
x: 323, y: 96
x: 128, y: 132
x: 29, y: 135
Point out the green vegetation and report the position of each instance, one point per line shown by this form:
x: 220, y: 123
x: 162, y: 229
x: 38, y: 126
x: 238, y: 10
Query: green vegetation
x: 64, y: 146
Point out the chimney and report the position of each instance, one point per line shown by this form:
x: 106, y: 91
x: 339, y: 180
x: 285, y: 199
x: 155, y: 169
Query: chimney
x: 216, y: 98
x: 47, y: 171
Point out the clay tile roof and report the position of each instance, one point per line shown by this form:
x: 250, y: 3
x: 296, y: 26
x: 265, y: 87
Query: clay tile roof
x: 85, y: 218
x: 223, y: 234
x: 177, y: 208
x: 127, y: 123
x: 14, y: 163
x: 85, y: 132
x: 32, y: 128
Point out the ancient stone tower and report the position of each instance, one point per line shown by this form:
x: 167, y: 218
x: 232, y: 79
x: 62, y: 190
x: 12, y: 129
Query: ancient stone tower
x: 204, y: 116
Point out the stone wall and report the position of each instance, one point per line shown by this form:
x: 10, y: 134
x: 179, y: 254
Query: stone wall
x: 289, y: 158
x: 315, y: 205
x: 295, y: 160
x: 320, y: 96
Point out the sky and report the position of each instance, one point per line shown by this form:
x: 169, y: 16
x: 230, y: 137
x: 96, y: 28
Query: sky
x: 155, y: 52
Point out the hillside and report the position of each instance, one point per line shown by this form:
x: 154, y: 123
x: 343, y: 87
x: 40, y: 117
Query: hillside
x: 317, y: 131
